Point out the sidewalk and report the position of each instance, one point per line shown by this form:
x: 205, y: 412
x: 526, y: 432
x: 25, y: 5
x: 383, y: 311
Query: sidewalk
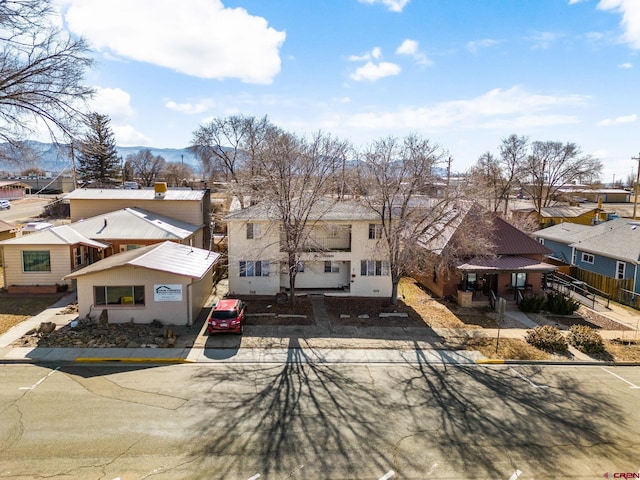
x: 320, y: 343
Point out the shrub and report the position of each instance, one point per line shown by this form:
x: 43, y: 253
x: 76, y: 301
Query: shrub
x: 547, y: 338
x: 585, y: 339
x: 561, y: 304
x: 532, y: 303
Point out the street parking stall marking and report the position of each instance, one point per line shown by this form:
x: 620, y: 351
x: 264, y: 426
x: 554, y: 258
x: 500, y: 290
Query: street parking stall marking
x: 534, y: 385
x: 255, y: 477
x: 388, y: 475
x: 515, y: 475
x: 39, y: 381
x: 631, y: 385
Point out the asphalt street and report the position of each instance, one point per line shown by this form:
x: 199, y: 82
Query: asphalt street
x: 308, y: 420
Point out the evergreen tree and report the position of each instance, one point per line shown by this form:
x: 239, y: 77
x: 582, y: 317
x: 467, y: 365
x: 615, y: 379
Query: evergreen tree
x: 98, y: 160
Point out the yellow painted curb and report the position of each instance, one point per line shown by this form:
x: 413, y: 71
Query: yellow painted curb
x: 131, y: 360
x: 491, y: 361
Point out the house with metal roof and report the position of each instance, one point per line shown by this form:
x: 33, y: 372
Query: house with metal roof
x: 512, y: 262
x: 44, y: 257
x: 610, y: 249
x: 167, y: 281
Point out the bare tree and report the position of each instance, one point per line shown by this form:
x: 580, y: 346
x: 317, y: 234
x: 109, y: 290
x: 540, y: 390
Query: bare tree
x: 176, y: 174
x: 295, y: 176
x: 513, y: 153
x: 550, y: 166
x: 396, y: 174
x: 486, y: 181
x: 146, y: 166
x: 41, y: 72
x: 228, y: 147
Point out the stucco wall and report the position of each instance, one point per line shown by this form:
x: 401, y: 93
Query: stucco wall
x: 189, y: 211
x: 170, y: 313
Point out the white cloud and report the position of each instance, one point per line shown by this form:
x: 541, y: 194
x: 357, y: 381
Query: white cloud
x: 375, y: 53
x: 392, y: 5
x: 543, y: 40
x: 371, y: 71
x: 626, y: 66
x: 573, y: 2
x: 630, y: 10
x: 495, y: 109
x: 114, y: 102
x: 201, y: 38
x: 411, y: 48
x: 618, y: 120
x: 188, y: 108
x: 475, y: 45
x: 128, y: 136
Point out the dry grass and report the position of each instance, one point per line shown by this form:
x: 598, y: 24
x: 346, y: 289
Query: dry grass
x: 508, y: 349
x: 623, y: 350
x: 17, y: 308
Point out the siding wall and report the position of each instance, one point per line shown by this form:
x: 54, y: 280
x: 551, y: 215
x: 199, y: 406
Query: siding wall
x: 60, y: 256
x: 190, y: 211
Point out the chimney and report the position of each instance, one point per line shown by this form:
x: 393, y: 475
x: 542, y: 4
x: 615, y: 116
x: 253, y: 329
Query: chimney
x: 160, y: 189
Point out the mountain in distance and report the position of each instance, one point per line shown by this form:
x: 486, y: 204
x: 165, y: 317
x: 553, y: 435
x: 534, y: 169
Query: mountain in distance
x: 53, y: 157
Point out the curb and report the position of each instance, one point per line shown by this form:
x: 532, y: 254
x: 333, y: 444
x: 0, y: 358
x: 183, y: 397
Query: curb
x: 584, y: 363
x: 131, y: 360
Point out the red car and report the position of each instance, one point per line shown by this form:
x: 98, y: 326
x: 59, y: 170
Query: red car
x: 227, y: 316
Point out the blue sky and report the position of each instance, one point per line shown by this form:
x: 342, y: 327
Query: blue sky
x: 463, y: 73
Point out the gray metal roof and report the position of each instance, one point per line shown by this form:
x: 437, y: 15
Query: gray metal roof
x: 564, y: 232
x: 60, y: 235
x: 134, y: 223
x: 142, y: 194
x: 169, y: 257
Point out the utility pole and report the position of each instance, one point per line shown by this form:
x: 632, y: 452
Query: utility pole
x: 635, y: 188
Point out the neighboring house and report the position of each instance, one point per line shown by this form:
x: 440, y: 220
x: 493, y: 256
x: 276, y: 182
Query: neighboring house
x: 605, y: 195
x: 584, y: 215
x: 42, y: 258
x: 342, y: 251
x: 168, y: 282
x: 513, y: 261
x: 610, y: 249
x: 12, y: 189
x: 189, y: 206
x: 7, y: 230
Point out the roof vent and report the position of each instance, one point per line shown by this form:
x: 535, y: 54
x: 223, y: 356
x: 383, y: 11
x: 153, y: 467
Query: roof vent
x: 160, y: 188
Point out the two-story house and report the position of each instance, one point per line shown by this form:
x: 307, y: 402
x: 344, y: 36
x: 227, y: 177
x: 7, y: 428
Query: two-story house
x: 342, y: 251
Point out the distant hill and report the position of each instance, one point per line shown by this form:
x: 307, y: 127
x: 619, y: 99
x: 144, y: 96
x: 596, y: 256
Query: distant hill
x: 55, y: 158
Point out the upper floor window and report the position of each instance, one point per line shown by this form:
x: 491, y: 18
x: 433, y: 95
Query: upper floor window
x: 375, y: 231
x: 36, y: 261
x: 587, y: 257
x: 253, y: 230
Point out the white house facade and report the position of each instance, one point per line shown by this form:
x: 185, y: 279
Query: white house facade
x: 343, y: 252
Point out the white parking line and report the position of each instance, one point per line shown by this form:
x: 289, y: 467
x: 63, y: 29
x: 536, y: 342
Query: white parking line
x: 388, y: 475
x: 255, y: 477
x: 534, y: 385
x: 631, y: 385
x: 39, y: 381
x: 515, y: 475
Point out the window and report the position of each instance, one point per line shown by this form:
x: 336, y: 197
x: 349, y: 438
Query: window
x: 77, y: 257
x: 374, y: 268
x: 250, y: 268
x: 541, y: 241
x: 518, y: 279
x: 620, y: 270
x: 253, y: 230
x: 119, y: 295
x: 375, y: 231
x: 129, y: 246
x: 36, y: 261
x: 587, y: 257
x: 331, y: 267
x: 300, y: 266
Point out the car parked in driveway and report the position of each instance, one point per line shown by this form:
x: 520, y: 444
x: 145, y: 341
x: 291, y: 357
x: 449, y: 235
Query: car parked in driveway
x: 5, y: 204
x: 227, y: 315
